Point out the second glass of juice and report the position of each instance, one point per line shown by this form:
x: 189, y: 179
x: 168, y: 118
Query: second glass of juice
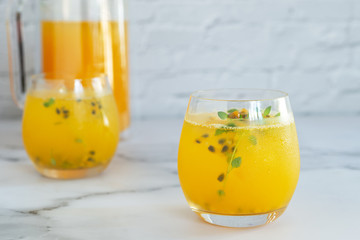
x: 70, y: 126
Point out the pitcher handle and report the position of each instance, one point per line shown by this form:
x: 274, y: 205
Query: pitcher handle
x: 14, y: 29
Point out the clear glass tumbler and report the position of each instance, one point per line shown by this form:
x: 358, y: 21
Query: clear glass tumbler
x: 70, y: 126
x: 238, y: 157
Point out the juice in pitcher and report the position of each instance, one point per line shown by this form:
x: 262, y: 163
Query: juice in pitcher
x: 87, y: 48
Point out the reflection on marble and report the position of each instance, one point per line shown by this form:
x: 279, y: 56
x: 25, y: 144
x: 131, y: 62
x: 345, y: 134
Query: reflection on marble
x: 139, y: 196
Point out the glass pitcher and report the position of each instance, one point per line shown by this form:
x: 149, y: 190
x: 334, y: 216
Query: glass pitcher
x: 76, y: 38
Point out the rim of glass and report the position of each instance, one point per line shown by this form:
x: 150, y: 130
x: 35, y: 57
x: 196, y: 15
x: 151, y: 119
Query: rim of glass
x: 45, y: 76
x: 197, y: 94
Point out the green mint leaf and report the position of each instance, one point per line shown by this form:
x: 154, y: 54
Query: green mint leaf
x: 221, y: 192
x: 267, y: 111
x: 53, y: 161
x: 231, y: 125
x: 219, y: 131
x: 66, y: 165
x: 278, y: 114
x: 252, y: 139
x: 49, y: 102
x: 222, y: 115
x: 236, y: 162
x: 78, y: 140
x: 232, y: 110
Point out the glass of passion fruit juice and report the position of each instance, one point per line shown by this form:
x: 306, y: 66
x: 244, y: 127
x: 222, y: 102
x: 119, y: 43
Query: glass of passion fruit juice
x: 238, y: 159
x: 70, y: 126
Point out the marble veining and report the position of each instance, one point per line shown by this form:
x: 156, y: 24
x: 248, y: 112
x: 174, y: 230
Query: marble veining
x: 139, y: 195
x: 66, y: 201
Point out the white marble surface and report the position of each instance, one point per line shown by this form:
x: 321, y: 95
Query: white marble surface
x: 139, y: 197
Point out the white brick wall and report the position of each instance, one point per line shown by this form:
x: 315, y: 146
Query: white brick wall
x: 309, y: 48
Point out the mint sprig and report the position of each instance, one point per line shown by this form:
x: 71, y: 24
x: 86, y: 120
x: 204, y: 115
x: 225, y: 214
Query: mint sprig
x: 222, y: 115
x: 232, y: 110
x: 235, y: 163
x: 49, y: 102
x: 252, y: 139
x: 267, y: 111
x: 221, y: 192
x: 231, y: 124
x: 219, y: 131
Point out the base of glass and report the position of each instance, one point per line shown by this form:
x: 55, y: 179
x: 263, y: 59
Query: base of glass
x: 70, y: 173
x: 240, y: 221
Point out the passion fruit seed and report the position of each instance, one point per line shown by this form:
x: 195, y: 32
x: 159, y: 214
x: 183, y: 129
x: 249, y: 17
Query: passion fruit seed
x: 211, y: 148
x: 224, y: 149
